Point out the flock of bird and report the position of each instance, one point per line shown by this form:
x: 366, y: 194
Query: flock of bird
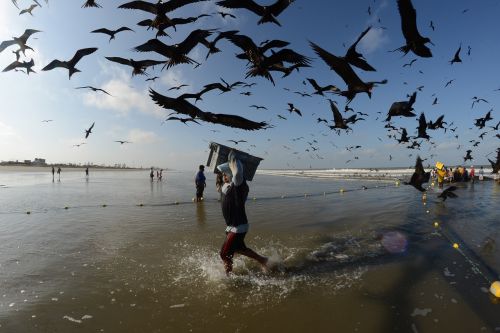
x: 263, y: 59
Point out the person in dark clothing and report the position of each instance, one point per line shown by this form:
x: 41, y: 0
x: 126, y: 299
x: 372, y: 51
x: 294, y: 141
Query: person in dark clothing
x: 53, y: 171
x: 219, y: 180
x: 87, y: 172
x: 152, y: 174
x: 200, y: 183
x: 234, y: 194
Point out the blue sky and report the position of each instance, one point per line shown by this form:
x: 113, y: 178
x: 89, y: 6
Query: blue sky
x: 131, y: 115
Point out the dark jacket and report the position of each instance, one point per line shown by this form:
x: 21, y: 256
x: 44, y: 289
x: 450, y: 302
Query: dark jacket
x: 233, y: 204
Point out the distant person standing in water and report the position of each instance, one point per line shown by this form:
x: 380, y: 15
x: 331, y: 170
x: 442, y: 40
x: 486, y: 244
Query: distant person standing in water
x: 87, y: 172
x: 481, y: 173
x: 234, y: 194
x: 59, y: 173
x: 152, y: 174
x: 200, y: 183
x: 53, y: 172
x: 161, y: 175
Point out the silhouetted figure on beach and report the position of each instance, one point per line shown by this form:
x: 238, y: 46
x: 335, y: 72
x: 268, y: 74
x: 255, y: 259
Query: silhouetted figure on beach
x: 59, y: 173
x: 200, y: 182
x: 152, y: 174
x: 53, y: 172
x: 234, y: 194
x: 160, y: 175
x: 87, y: 172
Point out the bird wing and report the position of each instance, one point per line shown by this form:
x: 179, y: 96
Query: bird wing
x: 243, y: 42
x: 288, y: 55
x: 247, y: 4
x: 123, y: 29
x: 53, y: 64
x: 355, y: 58
x: 13, y: 65
x: 408, y: 20
x: 419, y: 168
x: 279, y: 6
x: 314, y: 84
x: 27, y: 33
x: 104, y: 31
x: 80, y: 54
x: 149, y: 63
x: 170, y: 5
x: 337, y: 116
x: 154, y: 45
x: 275, y: 43
x: 233, y: 121
x: 6, y: 44
x: 141, y: 5
x: 119, y: 60
x: 92, y: 126
x: 193, y: 39
x: 339, y: 65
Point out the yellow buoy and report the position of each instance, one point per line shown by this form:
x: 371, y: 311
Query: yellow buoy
x: 455, y: 245
x: 495, y: 288
x: 397, y: 183
x: 341, y: 190
x: 436, y: 224
x: 432, y: 184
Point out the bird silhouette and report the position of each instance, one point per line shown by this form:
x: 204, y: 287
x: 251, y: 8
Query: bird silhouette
x: 138, y: 66
x: 160, y: 9
x: 422, y: 127
x: 20, y: 41
x: 28, y: 10
x: 338, y: 122
x: 267, y: 13
x: 468, y: 156
x: 495, y: 166
x: 111, y: 33
x: 88, y: 131
x: 414, y: 41
x: 449, y: 82
x: 172, y: 23
x: 223, y: 15
x: 91, y: 3
x: 404, y: 136
x: 28, y: 65
x: 183, y: 120
x: 70, y: 64
x: 355, y: 58
x: 177, y: 53
x: 292, y: 108
x: 121, y: 142
x: 419, y: 176
x: 345, y: 71
x: 439, y: 123
x: 448, y: 193
x: 223, y: 87
x: 236, y: 141
x: 410, y: 63
x: 320, y: 90
x: 94, y: 89
x: 402, y: 108
x: 182, y: 106
x: 456, y: 57
x: 152, y: 79
x: 178, y: 87
x: 258, y: 107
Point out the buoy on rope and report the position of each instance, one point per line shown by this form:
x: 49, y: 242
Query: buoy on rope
x: 495, y: 289
x: 436, y: 224
x: 455, y: 245
x: 341, y: 190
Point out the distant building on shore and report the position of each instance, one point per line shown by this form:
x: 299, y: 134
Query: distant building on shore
x: 35, y: 162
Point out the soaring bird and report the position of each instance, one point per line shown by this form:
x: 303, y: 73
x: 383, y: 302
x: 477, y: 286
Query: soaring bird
x: 320, y: 90
x: 211, y: 46
x: 172, y: 23
x: 223, y: 87
x: 410, y: 63
x: 88, y: 131
x: 414, y: 41
x: 91, y: 3
x: 139, y: 66
x: 258, y: 107
x: 267, y: 13
x: 292, y: 108
x: 24, y: 64
x: 182, y: 106
x: 404, y: 136
x: 225, y: 14
x: 468, y: 156
x: 94, y: 89
x: 402, y: 108
x: 476, y: 99
x: 111, y: 33
x: 236, y: 141
x: 437, y: 124
x: 152, y: 79
x: 183, y: 120
x: 70, y: 64
x: 160, y: 9
x: 456, y: 57
x: 261, y: 64
x: 422, y: 127
x: 448, y: 193
x: 177, y: 53
x: 345, y: 71
x: 122, y: 141
x: 28, y: 10
x: 338, y: 122
x: 419, y: 176
x: 21, y: 41
x: 14, y: 2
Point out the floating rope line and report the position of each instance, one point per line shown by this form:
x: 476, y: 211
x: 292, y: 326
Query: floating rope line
x: 180, y: 203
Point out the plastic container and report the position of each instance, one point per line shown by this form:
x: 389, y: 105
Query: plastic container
x: 218, y: 155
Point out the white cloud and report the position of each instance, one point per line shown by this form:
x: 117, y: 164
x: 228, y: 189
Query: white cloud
x: 7, y: 132
x: 125, y: 98
x: 139, y: 136
x: 173, y: 77
x: 373, y: 40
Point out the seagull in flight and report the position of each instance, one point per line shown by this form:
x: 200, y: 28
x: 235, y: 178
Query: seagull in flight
x: 94, y: 89
x: 88, y: 131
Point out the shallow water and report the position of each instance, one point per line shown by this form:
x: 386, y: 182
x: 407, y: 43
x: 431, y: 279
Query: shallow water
x: 363, y: 260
